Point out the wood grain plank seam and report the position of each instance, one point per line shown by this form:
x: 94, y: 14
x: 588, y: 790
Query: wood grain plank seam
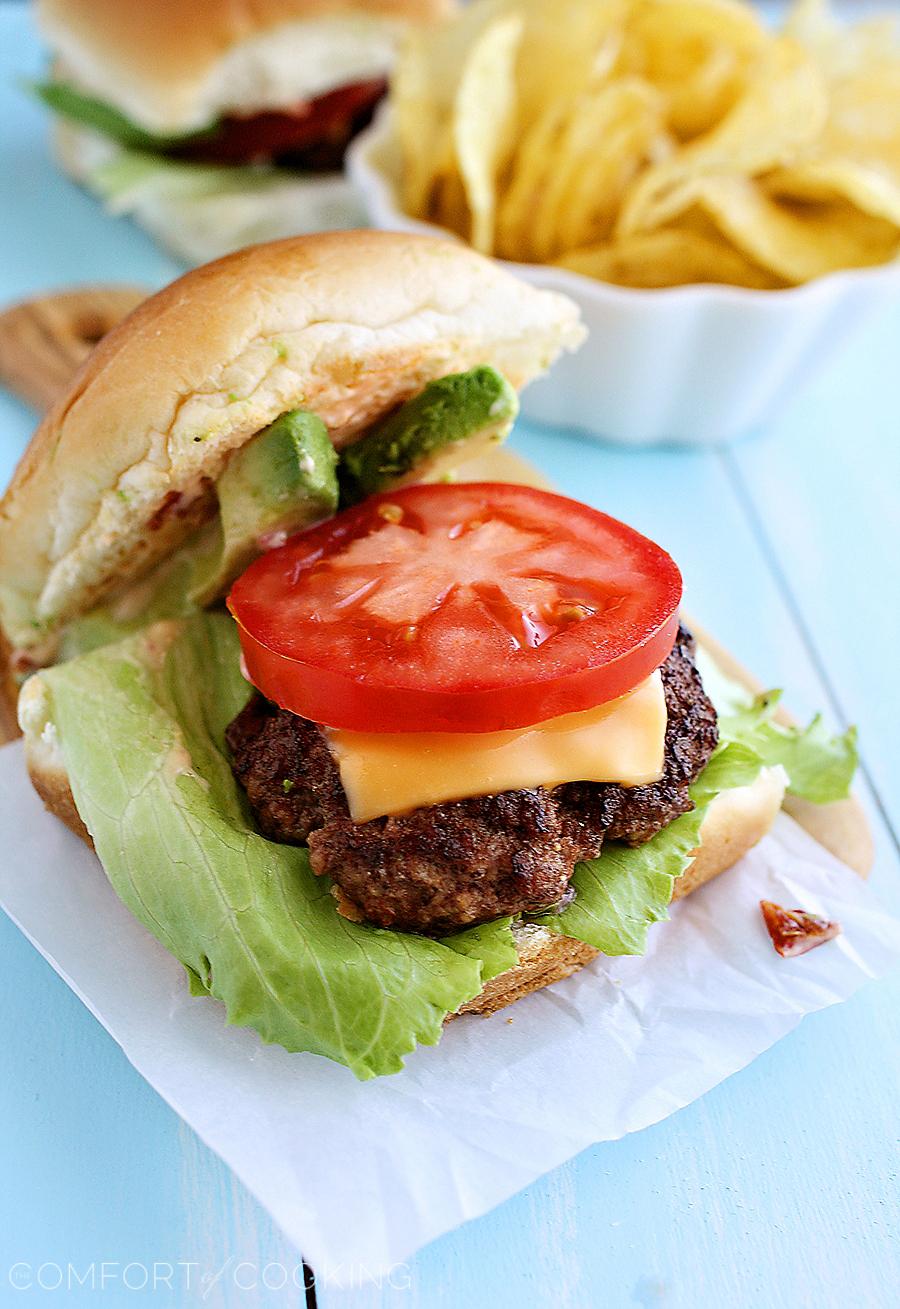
x: 309, y: 1286
x: 760, y: 534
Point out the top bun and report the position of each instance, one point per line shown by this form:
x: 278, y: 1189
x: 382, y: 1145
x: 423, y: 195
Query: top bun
x: 176, y: 65
x: 346, y: 324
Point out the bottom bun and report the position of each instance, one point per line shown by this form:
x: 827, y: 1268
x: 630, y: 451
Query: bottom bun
x: 735, y: 822
x: 202, y: 212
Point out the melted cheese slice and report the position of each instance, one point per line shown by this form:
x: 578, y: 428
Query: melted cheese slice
x: 392, y: 773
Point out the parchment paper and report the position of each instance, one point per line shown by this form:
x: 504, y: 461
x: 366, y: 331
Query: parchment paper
x: 362, y: 1175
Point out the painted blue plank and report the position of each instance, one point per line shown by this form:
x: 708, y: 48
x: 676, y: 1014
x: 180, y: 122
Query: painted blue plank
x: 51, y: 235
x: 97, y: 1169
x: 825, y: 483
x: 776, y: 1190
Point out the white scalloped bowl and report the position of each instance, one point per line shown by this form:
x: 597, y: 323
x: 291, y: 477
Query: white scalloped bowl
x: 690, y: 364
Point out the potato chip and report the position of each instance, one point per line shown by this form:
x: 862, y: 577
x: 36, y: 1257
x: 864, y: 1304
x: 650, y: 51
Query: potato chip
x: 565, y: 49
x: 581, y: 197
x: 449, y: 206
x: 417, y: 122
x: 867, y: 186
x: 657, y: 142
x: 697, y: 53
x: 483, y: 117
x: 557, y: 62
x: 782, y: 111
x: 668, y: 257
x: 424, y: 87
x: 528, y: 171
x: 794, y: 242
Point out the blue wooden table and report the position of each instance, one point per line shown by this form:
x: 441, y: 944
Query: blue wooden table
x: 778, y: 1188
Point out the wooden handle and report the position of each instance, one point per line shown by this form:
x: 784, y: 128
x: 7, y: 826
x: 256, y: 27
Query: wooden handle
x: 44, y: 341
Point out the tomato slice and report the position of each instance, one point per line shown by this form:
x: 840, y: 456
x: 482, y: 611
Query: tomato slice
x: 328, y: 122
x: 470, y: 608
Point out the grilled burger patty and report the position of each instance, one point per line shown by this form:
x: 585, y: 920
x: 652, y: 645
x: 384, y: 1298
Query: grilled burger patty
x: 451, y: 865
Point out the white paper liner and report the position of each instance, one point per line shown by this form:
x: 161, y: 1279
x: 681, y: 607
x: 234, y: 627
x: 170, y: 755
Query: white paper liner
x: 360, y: 1175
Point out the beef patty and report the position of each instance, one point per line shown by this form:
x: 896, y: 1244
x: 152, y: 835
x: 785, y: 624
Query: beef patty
x: 451, y: 865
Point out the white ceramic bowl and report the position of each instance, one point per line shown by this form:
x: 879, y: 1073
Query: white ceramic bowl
x: 689, y: 364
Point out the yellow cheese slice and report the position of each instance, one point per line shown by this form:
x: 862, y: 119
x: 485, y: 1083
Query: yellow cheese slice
x: 392, y: 773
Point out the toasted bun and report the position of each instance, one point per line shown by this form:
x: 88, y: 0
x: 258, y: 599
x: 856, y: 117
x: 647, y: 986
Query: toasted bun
x: 176, y: 65
x: 205, y: 221
x: 735, y: 822
x: 841, y: 827
x: 347, y: 324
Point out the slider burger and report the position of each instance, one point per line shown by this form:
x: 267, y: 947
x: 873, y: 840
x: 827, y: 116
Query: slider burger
x: 216, y: 123
x: 447, y: 738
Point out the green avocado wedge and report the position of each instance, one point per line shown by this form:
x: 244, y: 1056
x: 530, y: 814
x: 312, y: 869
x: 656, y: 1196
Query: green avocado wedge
x: 477, y: 407
x: 283, y: 480
x: 280, y: 482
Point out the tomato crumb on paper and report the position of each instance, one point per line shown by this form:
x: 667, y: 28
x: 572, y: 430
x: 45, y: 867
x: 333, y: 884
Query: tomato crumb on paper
x: 793, y: 931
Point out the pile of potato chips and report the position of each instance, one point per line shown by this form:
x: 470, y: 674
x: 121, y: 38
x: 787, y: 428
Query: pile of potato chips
x: 656, y: 142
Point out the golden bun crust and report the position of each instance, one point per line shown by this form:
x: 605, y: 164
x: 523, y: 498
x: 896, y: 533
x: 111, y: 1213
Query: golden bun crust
x: 544, y: 958
x: 841, y: 827
x: 347, y: 324
x: 50, y: 779
x: 9, y: 695
x: 176, y: 65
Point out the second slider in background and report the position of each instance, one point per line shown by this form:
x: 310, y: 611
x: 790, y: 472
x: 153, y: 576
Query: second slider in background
x: 217, y: 125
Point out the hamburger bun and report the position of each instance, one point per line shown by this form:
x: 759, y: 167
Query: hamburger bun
x: 348, y: 324
x: 174, y: 66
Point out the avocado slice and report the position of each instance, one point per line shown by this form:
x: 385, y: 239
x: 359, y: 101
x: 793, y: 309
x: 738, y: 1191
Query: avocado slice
x: 422, y: 436
x: 281, y: 481
x: 286, y: 478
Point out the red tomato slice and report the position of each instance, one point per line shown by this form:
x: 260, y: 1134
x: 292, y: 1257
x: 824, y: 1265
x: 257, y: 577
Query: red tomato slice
x: 444, y: 608
x: 255, y: 138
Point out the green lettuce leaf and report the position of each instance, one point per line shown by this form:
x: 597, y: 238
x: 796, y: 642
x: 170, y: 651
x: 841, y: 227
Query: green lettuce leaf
x: 141, y: 726
x: 491, y: 943
x: 619, y: 894
x: 102, y: 117
x: 819, y: 765
x: 129, y: 174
